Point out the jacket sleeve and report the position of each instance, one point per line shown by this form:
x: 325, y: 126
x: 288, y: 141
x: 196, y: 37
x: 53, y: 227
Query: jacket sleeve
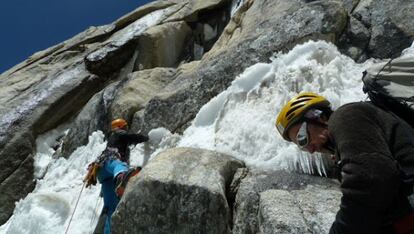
x: 370, y: 176
x: 131, y: 138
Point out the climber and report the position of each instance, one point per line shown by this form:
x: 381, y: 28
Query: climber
x: 374, y: 150
x: 112, y: 169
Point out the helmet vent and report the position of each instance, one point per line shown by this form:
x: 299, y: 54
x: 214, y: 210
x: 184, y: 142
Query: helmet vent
x: 308, y: 96
x: 290, y: 113
x: 289, y: 117
x: 300, y: 101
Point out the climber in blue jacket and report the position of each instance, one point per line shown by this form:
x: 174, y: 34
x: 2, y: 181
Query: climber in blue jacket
x: 112, y: 169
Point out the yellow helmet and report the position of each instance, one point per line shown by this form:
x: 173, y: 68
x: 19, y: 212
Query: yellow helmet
x: 118, y: 123
x: 295, y: 110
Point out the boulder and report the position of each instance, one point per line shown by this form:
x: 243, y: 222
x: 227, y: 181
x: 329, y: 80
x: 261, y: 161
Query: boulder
x: 181, y: 190
x: 283, y: 201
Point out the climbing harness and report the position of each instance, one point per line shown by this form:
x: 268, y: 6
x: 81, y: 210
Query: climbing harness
x: 109, y: 153
x: 93, y: 168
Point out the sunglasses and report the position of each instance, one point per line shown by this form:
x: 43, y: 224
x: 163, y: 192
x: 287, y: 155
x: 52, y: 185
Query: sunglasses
x: 302, y: 138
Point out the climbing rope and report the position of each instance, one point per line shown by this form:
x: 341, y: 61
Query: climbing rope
x: 94, y: 211
x: 76, y: 205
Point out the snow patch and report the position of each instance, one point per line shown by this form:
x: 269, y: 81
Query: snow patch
x: 49, y: 207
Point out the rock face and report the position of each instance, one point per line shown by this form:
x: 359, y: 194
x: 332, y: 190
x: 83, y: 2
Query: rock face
x: 159, y: 64
x: 138, y: 89
x: 93, y: 117
x: 182, y: 189
x: 258, y: 29
x: 199, y: 191
x: 163, y: 45
x: 30, y: 106
x: 373, y: 29
x: 282, y: 202
x: 54, y: 85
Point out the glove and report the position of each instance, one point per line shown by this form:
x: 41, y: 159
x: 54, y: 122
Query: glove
x: 90, y: 178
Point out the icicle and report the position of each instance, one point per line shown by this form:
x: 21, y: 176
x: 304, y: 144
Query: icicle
x: 235, y: 5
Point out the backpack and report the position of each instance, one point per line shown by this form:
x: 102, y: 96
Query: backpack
x: 390, y: 85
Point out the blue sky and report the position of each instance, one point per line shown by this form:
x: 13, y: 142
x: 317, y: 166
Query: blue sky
x: 28, y: 26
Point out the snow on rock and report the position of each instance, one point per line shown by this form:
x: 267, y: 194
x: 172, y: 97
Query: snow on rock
x: 238, y: 122
x: 49, y: 207
x: 130, y: 32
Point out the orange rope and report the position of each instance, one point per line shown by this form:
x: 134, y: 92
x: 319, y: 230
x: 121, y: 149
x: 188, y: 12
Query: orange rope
x: 67, y: 229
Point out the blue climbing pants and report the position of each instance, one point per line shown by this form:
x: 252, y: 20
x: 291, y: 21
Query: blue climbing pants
x: 106, y: 176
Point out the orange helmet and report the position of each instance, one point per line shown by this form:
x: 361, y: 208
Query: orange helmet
x: 118, y: 123
x: 294, y: 111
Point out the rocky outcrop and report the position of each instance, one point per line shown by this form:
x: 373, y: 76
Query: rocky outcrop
x: 378, y: 31
x: 119, y: 48
x: 283, y: 202
x: 115, y: 51
x: 33, y: 102
x: 163, y: 45
x: 257, y: 30
x: 141, y: 86
x: 182, y: 190
x: 93, y: 117
x: 54, y: 85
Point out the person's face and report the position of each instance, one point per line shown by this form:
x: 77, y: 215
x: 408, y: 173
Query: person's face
x: 317, y: 136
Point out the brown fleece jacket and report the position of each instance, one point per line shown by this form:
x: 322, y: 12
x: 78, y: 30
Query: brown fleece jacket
x: 376, y: 152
